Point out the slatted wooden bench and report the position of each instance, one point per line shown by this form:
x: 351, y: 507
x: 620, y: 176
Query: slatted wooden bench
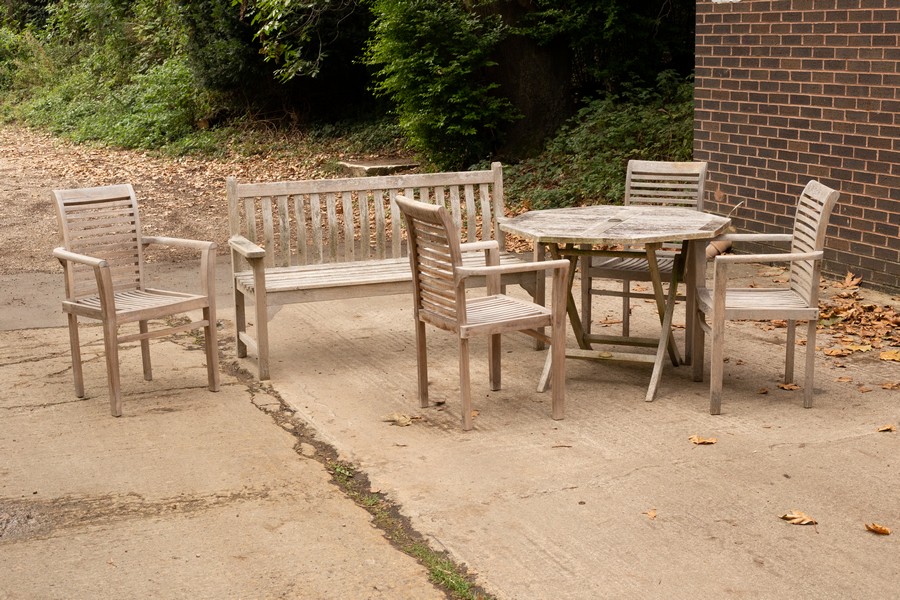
x: 329, y: 239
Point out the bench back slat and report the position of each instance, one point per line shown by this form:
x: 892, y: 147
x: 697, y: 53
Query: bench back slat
x: 357, y: 218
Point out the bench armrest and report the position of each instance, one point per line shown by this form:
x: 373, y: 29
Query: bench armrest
x: 245, y: 247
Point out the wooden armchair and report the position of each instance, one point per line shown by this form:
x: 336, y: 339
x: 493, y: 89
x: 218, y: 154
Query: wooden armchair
x: 103, y: 262
x: 439, y: 283
x: 798, y: 301
x: 653, y: 183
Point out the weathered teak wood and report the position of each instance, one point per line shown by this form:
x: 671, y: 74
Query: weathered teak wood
x: 647, y: 183
x: 798, y: 301
x: 574, y: 232
x: 439, y: 285
x: 326, y: 239
x: 103, y: 264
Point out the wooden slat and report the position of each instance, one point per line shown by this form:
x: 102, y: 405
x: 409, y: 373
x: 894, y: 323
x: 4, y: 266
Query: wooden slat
x: 380, y: 237
x: 471, y: 213
x: 284, y: 232
x: 396, y: 225
x: 485, y: 198
x: 365, y: 215
x: 300, y: 220
x: 268, y: 230
x: 349, y: 231
x: 315, y: 218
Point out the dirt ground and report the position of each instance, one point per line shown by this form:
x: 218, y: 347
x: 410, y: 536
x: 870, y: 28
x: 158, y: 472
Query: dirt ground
x: 181, y: 197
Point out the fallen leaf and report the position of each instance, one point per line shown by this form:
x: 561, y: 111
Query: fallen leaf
x: 890, y: 385
x: 651, y: 514
x: 762, y: 391
x: 795, y: 517
x: 844, y: 379
x: 879, y: 529
x: 789, y: 386
x: 702, y: 441
x: 885, y: 428
x: 836, y: 352
x: 864, y: 389
x: 890, y: 355
x: 858, y: 347
x: 399, y: 419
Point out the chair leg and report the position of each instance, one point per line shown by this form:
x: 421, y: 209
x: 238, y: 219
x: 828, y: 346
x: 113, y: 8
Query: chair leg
x: 717, y: 364
x: 791, y: 345
x: 421, y: 363
x: 210, y: 341
x: 145, y: 352
x: 240, y: 322
x: 558, y: 368
x: 698, y: 343
x: 810, y: 363
x: 111, y: 347
x: 494, y: 361
x: 465, y: 390
x: 75, y: 345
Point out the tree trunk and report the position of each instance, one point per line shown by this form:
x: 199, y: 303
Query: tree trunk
x: 537, y: 79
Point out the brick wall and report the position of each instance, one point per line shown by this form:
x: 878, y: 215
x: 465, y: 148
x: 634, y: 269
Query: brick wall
x: 793, y: 90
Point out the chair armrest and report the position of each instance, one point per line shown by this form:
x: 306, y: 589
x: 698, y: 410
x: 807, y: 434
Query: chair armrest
x: 245, y: 247
x: 102, y: 275
x: 477, y: 246
x: 207, y: 258
x: 761, y: 258
x: 65, y: 256
x: 754, y: 237
x: 179, y: 242
x: 544, y: 265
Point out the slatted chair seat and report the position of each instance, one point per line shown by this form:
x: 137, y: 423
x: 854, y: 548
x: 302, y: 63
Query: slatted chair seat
x: 740, y: 301
x: 135, y: 305
x: 798, y: 301
x: 103, y: 264
x: 440, y: 299
x: 655, y: 183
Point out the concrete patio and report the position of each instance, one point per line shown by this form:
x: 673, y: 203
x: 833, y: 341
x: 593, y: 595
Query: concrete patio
x: 614, y: 501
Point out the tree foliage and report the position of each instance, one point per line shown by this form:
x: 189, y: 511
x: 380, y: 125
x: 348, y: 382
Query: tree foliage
x: 434, y: 61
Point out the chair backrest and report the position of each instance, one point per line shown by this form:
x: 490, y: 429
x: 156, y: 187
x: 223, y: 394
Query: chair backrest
x: 810, y: 223
x: 102, y: 222
x: 434, y: 254
x: 665, y: 183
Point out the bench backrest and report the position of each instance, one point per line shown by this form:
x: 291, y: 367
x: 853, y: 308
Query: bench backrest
x: 357, y: 218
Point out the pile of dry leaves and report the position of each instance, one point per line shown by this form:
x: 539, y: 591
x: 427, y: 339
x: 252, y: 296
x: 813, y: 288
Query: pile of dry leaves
x: 858, y: 325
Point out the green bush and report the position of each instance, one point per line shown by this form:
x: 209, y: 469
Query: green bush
x: 585, y: 162
x: 433, y: 56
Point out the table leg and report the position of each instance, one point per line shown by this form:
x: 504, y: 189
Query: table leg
x: 656, y: 279
x: 664, y: 338
x: 694, y: 278
x: 571, y: 307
